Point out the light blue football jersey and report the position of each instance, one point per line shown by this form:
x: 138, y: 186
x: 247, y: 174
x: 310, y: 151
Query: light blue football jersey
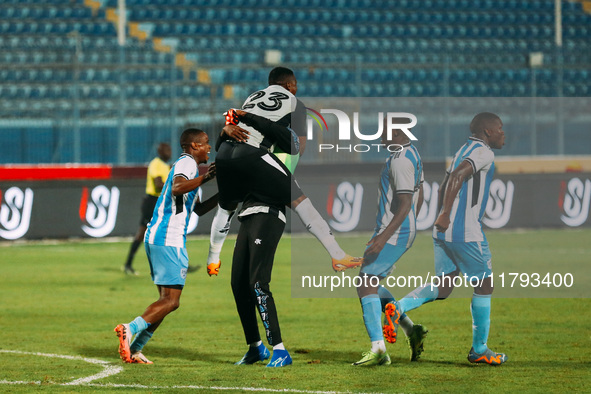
x: 171, y: 216
x: 470, y: 203
x: 402, y: 173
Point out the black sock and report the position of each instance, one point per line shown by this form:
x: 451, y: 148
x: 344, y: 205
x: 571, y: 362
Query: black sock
x: 134, y: 247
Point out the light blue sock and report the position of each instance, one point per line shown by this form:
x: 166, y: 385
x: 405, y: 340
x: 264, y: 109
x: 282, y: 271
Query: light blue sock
x: 480, y: 308
x: 140, y: 341
x: 387, y: 297
x: 418, y: 297
x: 372, y: 315
x: 138, y: 324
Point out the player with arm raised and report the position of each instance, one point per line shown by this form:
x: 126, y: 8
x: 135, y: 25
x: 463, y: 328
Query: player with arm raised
x: 459, y: 243
x: 165, y: 242
x: 249, y: 166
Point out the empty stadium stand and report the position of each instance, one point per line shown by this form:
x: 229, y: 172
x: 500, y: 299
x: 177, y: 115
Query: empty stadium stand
x: 186, y: 60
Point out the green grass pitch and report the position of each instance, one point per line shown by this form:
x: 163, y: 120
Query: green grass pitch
x: 64, y: 299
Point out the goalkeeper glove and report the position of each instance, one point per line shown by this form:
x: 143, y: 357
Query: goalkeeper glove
x: 231, y: 117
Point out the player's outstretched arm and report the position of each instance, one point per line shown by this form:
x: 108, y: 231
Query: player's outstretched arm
x: 201, y: 208
x: 182, y: 185
x: 285, y: 138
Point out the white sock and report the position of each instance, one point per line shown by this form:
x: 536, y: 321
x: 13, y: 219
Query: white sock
x: 316, y: 225
x: 378, y: 346
x: 279, y: 346
x: 256, y: 344
x: 219, y: 231
x: 406, y: 324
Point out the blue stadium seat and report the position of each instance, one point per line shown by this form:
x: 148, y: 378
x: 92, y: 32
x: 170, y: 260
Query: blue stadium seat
x: 401, y: 47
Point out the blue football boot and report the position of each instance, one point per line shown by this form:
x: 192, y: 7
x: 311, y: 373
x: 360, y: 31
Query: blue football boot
x: 255, y: 354
x: 281, y: 358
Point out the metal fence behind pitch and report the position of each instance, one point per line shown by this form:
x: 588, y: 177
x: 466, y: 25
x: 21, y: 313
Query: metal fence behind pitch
x: 100, y: 104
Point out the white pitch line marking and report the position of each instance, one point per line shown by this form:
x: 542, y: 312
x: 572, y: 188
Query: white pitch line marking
x: 190, y: 387
x: 108, y: 369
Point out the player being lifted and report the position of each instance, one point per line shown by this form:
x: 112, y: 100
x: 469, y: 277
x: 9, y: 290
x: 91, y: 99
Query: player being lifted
x: 400, y: 196
x: 248, y: 166
x: 458, y: 240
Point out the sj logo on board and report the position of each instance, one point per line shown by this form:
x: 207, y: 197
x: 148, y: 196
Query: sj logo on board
x: 574, y: 201
x: 15, y: 212
x: 344, y: 206
x: 500, y: 202
x: 428, y: 212
x: 98, y: 210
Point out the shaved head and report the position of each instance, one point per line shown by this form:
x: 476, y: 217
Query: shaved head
x: 191, y: 135
x: 280, y: 76
x: 483, y: 120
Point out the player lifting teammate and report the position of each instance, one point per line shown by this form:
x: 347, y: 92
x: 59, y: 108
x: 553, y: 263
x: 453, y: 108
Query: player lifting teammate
x: 249, y: 166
